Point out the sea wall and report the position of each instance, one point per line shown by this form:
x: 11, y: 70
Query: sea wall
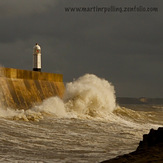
x: 21, y: 89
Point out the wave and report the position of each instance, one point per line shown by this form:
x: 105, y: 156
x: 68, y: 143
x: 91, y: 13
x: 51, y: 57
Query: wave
x: 90, y: 95
x: 142, y: 117
x: 87, y: 97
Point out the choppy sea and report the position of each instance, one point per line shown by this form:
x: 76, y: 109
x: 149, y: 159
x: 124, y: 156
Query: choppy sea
x: 86, y: 126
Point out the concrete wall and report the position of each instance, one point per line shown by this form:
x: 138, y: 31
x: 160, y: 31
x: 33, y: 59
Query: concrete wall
x: 21, y: 89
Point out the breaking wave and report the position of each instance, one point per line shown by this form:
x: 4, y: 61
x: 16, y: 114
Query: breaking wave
x: 88, y: 96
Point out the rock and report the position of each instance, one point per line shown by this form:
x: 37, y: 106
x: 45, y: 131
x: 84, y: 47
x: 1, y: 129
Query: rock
x: 149, y: 150
x: 154, y: 138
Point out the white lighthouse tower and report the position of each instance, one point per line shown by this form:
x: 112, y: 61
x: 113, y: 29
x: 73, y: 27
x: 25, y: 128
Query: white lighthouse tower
x: 36, y: 58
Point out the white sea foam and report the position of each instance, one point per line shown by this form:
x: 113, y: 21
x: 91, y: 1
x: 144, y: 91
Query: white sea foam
x: 90, y: 95
x: 87, y: 96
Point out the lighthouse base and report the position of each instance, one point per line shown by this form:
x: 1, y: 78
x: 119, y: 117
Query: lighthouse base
x: 37, y: 69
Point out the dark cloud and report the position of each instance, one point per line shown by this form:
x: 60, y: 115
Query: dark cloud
x: 124, y: 48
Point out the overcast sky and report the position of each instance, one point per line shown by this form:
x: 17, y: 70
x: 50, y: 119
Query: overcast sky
x: 124, y: 48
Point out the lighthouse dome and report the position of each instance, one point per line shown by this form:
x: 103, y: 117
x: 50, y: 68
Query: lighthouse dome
x: 36, y: 49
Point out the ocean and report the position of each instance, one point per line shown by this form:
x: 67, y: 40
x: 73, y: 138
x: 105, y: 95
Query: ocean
x: 86, y: 126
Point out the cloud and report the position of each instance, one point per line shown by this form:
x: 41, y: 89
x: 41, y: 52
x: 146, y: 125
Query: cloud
x: 124, y: 48
x: 21, y: 8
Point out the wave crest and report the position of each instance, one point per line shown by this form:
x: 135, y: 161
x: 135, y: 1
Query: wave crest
x: 90, y: 95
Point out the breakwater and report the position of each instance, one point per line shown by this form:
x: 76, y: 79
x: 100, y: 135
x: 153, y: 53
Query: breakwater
x: 21, y: 89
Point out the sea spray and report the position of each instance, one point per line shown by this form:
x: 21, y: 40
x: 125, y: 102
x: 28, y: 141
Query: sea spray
x: 52, y: 105
x: 86, y: 96
x: 90, y: 95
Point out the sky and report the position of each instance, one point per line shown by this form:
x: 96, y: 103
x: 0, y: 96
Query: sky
x: 124, y: 48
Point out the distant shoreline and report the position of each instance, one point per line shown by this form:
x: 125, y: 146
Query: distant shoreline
x: 141, y: 100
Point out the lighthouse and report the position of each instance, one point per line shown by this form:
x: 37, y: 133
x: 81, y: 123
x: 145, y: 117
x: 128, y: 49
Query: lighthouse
x: 36, y: 58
